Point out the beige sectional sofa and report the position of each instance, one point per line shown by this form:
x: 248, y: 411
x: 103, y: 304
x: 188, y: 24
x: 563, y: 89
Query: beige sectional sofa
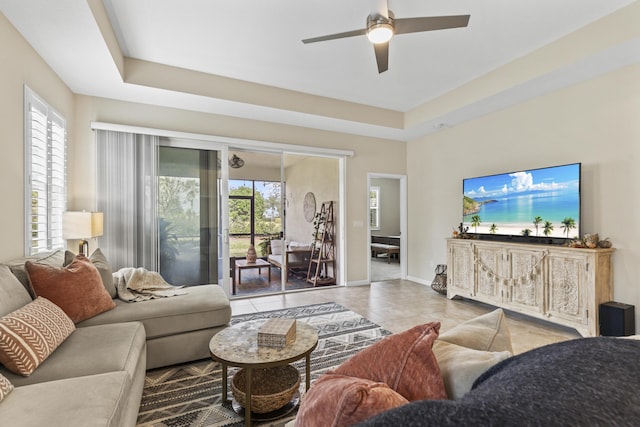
x: 96, y: 376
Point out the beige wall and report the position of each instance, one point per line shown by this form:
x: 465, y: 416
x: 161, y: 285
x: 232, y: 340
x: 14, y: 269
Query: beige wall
x: 371, y: 155
x: 594, y: 122
x: 21, y: 66
x: 309, y: 174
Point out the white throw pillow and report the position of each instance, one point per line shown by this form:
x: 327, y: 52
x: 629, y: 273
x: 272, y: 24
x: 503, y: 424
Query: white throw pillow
x: 461, y: 366
x: 488, y: 332
x: 276, y: 247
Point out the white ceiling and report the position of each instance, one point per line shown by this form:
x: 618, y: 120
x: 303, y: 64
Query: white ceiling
x: 259, y: 41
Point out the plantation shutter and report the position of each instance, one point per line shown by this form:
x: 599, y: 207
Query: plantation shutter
x: 45, y: 148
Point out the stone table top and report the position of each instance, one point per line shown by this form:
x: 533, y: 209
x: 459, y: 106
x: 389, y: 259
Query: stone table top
x: 237, y: 345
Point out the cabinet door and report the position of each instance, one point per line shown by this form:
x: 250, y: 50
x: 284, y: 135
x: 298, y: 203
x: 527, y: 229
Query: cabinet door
x: 489, y: 271
x: 526, y: 284
x: 460, y: 271
x: 567, y: 287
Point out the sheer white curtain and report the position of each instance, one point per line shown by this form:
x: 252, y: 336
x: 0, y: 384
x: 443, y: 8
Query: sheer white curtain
x: 127, y: 189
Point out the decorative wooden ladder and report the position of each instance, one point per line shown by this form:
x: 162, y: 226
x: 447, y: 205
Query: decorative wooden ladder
x: 322, y: 265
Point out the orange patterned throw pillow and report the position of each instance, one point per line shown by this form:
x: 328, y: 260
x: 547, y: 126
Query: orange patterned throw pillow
x: 5, y: 387
x: 77, y: 288
x: 30, y: 334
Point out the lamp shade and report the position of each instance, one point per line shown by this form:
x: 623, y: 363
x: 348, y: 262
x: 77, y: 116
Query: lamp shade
x: 81, y: 225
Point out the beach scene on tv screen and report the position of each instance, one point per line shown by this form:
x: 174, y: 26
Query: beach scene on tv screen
x: 538, y: 202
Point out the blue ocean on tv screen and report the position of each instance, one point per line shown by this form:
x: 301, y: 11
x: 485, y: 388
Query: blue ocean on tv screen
x: 512, y: 201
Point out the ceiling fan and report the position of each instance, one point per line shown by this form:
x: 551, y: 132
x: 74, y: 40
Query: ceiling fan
x: 236, y: 162
x: 382, y: 25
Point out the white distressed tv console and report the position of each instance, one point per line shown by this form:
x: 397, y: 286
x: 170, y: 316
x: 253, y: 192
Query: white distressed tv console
x: 555, y: 283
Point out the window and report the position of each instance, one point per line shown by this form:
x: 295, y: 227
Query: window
x: 374, y: 208
x: 46, y: 178
x: 254, y: 211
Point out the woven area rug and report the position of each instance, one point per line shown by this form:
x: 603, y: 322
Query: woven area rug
x: 188, y: 395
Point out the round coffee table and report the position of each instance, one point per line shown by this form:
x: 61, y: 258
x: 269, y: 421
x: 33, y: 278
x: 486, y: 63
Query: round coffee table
x: 237, y: 346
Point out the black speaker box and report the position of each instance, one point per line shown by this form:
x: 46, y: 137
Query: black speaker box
x: 617, y: 319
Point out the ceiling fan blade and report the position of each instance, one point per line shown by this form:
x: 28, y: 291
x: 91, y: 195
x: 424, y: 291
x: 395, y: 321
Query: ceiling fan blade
x: 429, y: 23
x: 336, y: 36
x: 382, y: 56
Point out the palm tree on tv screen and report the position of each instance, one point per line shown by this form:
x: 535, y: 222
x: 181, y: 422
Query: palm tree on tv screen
x: 493, y: 229
x: 475, y: 222
x: 568, y: 224
x: 548, y: 228
x: 536, y: 222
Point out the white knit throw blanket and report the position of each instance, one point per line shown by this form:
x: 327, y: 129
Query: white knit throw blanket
x: 140, y: 284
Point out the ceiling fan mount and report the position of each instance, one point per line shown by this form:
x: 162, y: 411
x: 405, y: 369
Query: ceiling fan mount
x: 381, y: 27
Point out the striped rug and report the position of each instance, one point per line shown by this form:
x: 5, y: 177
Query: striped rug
x: 188, y: 395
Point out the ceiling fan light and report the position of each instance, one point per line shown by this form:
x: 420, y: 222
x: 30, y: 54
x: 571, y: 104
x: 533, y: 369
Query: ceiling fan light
x: 380, y: 33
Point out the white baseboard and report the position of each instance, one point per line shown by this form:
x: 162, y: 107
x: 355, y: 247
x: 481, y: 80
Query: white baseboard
x: 419, y: 280
x: 358, y: 283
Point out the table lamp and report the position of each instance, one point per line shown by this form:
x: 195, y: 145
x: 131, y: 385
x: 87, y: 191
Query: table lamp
x: 82, y: 225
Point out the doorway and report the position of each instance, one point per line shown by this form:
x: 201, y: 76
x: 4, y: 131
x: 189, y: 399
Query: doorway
x: 387, y: 227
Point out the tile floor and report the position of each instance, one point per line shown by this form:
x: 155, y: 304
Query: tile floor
x: 399, y: 304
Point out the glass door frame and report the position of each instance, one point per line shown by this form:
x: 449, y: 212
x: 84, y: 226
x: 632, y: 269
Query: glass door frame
x: 223, y: 219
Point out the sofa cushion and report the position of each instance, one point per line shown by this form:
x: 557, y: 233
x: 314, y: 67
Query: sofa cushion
x: 461, y: 366
x: 95, y: 400
x: 404, y: 361
x: 488, y: 332
x: 54, y: 259
x: 30, y: 335
x: 276, y: 247
x: 581, y: 382
x: 338, y: 400
x: 5, y: 387
x: 76, y: 288
x: 104, y: 268
x: 90, y: 351
x: 202, y: 308
x: 12, y: 294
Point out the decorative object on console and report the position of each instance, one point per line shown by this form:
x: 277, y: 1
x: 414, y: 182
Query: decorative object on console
x: 605, y: 244
x: 591, y: 240
x: 82, y: 225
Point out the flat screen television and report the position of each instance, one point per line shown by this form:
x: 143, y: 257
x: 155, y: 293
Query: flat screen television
x: 540, y: 205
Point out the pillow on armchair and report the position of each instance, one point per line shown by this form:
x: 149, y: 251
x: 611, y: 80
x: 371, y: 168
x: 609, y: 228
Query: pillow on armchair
x: 391, y: 372
x: 276, y: 247
x: 467, y: 350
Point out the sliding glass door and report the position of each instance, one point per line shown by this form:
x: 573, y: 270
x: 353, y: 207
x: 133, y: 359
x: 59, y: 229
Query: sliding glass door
x: 189, y: 210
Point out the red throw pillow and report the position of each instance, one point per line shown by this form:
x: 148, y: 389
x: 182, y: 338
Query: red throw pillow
x: 339, y: 400
x: 403, y: 361
x: 77, y: 288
